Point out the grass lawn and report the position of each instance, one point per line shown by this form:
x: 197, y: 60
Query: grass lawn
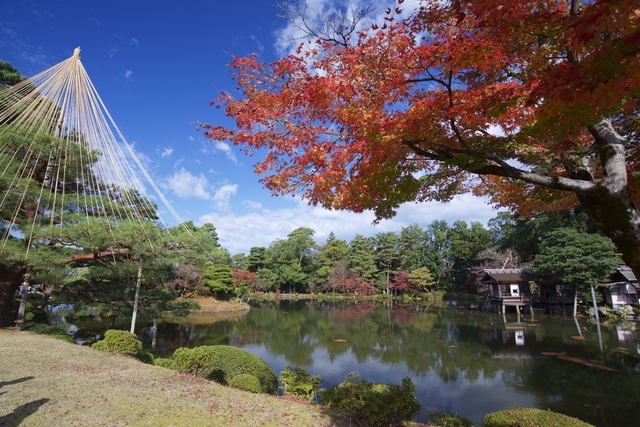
x: 48, y: 382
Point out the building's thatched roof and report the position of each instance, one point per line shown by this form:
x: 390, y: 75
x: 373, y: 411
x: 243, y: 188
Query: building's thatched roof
x: 623, y: 274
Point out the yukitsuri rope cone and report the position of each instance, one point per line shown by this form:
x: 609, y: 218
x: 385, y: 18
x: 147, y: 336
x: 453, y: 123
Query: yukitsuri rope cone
x: 64, y: 163
x: 62, y: 102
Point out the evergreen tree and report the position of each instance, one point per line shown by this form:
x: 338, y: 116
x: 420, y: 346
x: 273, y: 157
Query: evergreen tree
x: 577, y: 258
x: 361, y: 258
x: 219, y: 279
x: 466, y: 245
x: 256, y: 259
x: 292, y: 259
x: 329, y: 255
x: 387, y: 253
x: 9, y: 75
x: 414, y: 249
x: 439, y: 245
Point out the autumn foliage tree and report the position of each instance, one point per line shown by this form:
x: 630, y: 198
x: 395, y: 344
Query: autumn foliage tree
x: 534, y: 103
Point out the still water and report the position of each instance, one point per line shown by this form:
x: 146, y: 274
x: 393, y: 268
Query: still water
x: 462, y: 361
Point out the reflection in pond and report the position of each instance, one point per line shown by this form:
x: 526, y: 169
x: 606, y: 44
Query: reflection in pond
x: 462, y: 361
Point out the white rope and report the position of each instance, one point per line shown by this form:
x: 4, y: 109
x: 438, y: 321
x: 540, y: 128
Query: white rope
x: 63, y: 102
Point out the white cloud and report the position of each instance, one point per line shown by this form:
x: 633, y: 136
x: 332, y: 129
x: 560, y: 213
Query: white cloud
x: 239, y: 233
x: 226, y: 149
x: 128, y: 74
x: 223, y: 195
x: 135, y: 42
x: 185, y: 185
x: 167, y: 152
x: 252, y: 205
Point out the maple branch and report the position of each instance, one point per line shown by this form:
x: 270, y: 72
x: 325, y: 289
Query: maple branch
x: 493, y: 165
x: 337, y: 27
x: 427, y: 79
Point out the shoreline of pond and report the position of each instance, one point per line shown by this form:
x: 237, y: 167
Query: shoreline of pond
x: 241, y: 304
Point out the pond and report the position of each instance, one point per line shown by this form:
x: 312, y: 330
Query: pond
x: 462, y: 361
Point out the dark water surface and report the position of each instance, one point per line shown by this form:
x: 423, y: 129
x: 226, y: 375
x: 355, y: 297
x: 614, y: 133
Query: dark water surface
x: 462, y: 361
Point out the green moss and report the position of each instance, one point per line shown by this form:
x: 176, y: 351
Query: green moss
x: 246, y: 382
x: 529, y: 417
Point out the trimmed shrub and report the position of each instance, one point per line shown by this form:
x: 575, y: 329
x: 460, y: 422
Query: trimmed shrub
x: 221, y: 363
x: 164, y: 362
x: 297, y: 382
x: 246, y: 382
x: 370, y: 404
x: 121, y: 342
x: 444, y: 419
x: 198, y: 361
x: 530, y: 417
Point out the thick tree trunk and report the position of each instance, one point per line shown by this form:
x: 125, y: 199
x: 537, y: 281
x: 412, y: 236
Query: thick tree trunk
x: 618, y: 219
x: 609, y: 203
x: 10, y: 280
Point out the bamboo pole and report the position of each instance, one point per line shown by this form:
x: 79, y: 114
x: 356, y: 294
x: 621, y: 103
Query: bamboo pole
x: 135, y: 301
x: 595, y: 304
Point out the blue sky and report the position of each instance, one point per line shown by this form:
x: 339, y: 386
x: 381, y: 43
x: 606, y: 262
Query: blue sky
x: 157, y: 65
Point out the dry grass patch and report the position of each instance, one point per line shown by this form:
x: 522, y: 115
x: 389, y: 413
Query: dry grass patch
x: 47, y: 382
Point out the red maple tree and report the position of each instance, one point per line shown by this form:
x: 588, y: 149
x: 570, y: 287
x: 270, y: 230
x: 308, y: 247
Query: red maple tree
x: 534, y: 103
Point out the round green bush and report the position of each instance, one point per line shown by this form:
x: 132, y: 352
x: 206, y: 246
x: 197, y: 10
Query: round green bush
x: 530, y: 417
x: 121, y: 342
x: 246, y: 382
x: 221, y: 363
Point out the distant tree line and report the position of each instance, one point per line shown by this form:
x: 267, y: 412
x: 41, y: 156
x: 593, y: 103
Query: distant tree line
x: 438, y: 257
